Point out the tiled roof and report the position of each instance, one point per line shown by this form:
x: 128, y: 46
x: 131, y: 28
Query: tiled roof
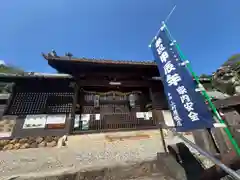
x: 217, y: 94
x: 5, y: 76
x: 32, y: 75
x: 228, y: 102
x: 100, y: 61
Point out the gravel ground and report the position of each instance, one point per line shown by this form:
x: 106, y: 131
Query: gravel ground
x: 83, y: 153
x: 152, y: 177
x: 46, y: 160
x: 54, y: 161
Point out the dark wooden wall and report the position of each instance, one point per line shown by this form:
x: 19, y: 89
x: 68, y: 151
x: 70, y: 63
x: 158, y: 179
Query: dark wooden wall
x: 32, y: 97
x: 56, y: 96
x: 159, y: 100
x: 18, y: 132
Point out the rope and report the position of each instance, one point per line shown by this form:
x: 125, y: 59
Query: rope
x: 112, y: 92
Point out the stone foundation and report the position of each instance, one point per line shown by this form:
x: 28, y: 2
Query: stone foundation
x: 29, y: 142
x: 7, y: 125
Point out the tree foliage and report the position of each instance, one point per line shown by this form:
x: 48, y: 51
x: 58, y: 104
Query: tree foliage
x: 6, y: 87
x: 205, y: 76
x: 10, y: 69
x: 233, y: 60
x: 226, y: 78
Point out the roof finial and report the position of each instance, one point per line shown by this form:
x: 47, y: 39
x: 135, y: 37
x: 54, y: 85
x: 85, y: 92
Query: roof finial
x: 53, y: 53
x: 68, y: 54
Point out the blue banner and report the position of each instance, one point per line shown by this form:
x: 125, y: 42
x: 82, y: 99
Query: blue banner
x: 187, y: 105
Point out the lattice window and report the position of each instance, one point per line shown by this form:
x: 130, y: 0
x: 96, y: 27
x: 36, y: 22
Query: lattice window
x: 106, y: 97
x: 88, y: 97
x: 137, y: 108
x: 106, y: 109
x: 88, y: 109
x: 118, y: 121
x: 41, y: 102
x: 121, y: 109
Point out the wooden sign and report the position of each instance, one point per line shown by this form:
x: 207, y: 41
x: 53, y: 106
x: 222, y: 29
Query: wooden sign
x: 144, y: 115
x: 56, y: 121
x: 55, y: 126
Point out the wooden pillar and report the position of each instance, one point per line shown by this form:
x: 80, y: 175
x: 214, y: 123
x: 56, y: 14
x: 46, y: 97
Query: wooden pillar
x: 156, y: 110
x: 157, y: 116
x: 72, y: 115
x: 81, y: 105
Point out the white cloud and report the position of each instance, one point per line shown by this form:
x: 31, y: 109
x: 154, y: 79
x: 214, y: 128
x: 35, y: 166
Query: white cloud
x: 2, y: 62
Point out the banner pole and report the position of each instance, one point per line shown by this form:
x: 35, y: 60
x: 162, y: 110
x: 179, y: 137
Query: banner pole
x: 209, y: 156
x: 163, y: 138
x: 167, y: 18
x: 183, y: 57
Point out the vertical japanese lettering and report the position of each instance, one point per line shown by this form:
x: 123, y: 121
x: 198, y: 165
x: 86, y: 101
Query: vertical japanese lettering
x: 173, y: 80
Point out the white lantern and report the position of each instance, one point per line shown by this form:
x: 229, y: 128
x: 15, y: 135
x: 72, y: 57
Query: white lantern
x: 132, y: 100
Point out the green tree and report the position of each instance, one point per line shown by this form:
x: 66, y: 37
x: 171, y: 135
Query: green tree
x: 6, y: 87
x: 205, y: 76
x: 10, y: 69
x: 233, y: 60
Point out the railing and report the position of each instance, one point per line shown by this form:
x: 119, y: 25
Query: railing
x: 113, y: 122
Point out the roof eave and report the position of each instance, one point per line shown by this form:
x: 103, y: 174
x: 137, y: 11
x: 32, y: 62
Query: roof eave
x: 96, y: 61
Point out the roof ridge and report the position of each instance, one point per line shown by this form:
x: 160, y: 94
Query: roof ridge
x: 98, y: 60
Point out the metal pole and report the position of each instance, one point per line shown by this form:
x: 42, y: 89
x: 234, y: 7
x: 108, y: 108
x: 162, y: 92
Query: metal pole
x: 167, y: 18
x: 169, y: 15
x: 209, y: 156
x: 162, y: 137
x: 159, y: 123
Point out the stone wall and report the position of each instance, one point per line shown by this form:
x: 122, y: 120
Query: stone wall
x: 7, y: 125
x: 29, y: 142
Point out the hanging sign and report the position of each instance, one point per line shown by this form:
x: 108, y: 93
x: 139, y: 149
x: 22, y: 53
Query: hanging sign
x: 85, y: 118
x: 56, y: 119
x: 83, y: 121
x: 187, y: 105
x: 77, y: 121
x: 97, y: 117
x: 144, y: 115
x: 34, y: 121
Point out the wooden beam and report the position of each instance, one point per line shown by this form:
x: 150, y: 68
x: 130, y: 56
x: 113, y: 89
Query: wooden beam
x: 105, y: 83
x: 127, y: 74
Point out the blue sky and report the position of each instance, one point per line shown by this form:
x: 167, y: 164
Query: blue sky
x: 207, y: 30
